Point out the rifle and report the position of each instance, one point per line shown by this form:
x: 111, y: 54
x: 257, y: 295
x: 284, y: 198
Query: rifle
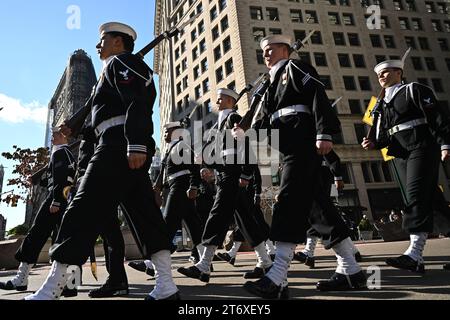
x: 247, y: 119
x: 375, y: 114
x: 76, y: 122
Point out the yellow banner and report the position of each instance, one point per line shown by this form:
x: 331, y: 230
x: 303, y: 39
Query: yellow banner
x: 367, y: 119
x: 384, y: 152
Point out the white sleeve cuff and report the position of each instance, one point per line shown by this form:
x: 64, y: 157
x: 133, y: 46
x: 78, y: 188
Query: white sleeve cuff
x: 338, y: 179
x: 445, y: 147
x: 324, y: 137
x: 135, y: 148
x: 243, y: 176
x: 56, y: 204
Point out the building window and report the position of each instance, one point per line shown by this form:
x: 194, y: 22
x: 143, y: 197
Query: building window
x: 326, y: 80
x: 205, y: 85
x: 423, y: 43
x: 417, y: 24
x: 333, y: 18
x: 201, y: 27
x: 349, y: 83
x: 198, y: 92
x: 430, y: 7
x: 215, y: 33
x: 204, y: 65
x: 437, y: 85
x: 256, y: 13
x: 219, y: 74
x: 304, y: 56
x: 429, y: 61
x: 436, y: 24
x: 447, y: 61
x: 442, y: 7
x: 224, y: 24
x: 180, y: 106
x: 258, y: 34
x: 348, y: 19
x: 339, y: 39
x: 344, y: 60
x: 229, y: 68
x: 379, y: 58
x: 299, y: 35
x: 213, y: 13
x: 376, y: 40
x: 275, y: 31
x: 184, y: 64
x: 222, y: 5
x: 259, y: 57
x: 410, y: 42
x: 410, y: 5
x: 398, y: 6
x: 196, y: 72
x: 321, y: 59
x: 353, y: 39
x: 296, y: 16
x: 194, y: 53
x: 183, y: 47
x: 404, y: 23
x: 443, y: 43
x: 226, y: 45
x: 272, y: 14
x: 316, y: 38
x: 389, y: 41
x: 364, y: 83
x: 311, y: 16
x: 423, y: 81
x: 207, y: 106
x: 202, y: 46
x: 358, y: 60
x: 232, y: 86
x: 355, y: 106
x: 217, y: 53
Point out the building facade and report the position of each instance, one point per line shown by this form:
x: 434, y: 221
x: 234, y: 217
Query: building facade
x: 73, y: 90
x: 221, y: 49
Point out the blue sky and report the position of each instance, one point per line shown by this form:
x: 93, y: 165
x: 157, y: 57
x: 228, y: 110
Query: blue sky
x: 36, y: 45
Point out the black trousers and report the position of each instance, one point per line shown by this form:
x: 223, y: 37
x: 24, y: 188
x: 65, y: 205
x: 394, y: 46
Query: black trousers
x: 114, y: 247
x: 107, y: 182
x: 326, y: 222
x: 250, y: 222
x: 300, y: 187
x: 231, y: 202
x: 179, y: 207
x: 418, y: 173
x: 43, y: 225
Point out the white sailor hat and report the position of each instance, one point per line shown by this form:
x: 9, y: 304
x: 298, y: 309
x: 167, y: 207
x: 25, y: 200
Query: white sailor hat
x: 170, y: 125
x: 228, y: 92
x: 275, y: 38
x: 118, y: 27
x: 396, y: 64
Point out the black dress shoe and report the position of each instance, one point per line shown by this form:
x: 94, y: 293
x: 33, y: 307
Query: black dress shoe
x: 446, y: 266
x: 406, y: 263
x: 358, y: 256
x: 226, y: 257
x: 175, y: 296
x: 69, y: 293
x: 9, y: 286
x: 110, y: 290
x: 267, y: 289
x: 195, y: 273
x: 257, y: 273
x: 141, y: 266
x: 304, y: 258
x: 340, y: 282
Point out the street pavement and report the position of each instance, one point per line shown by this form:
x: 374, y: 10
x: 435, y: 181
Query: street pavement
x: 226, y: 281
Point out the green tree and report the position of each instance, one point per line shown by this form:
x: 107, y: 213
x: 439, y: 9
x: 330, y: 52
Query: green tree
x: 28, y: 164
